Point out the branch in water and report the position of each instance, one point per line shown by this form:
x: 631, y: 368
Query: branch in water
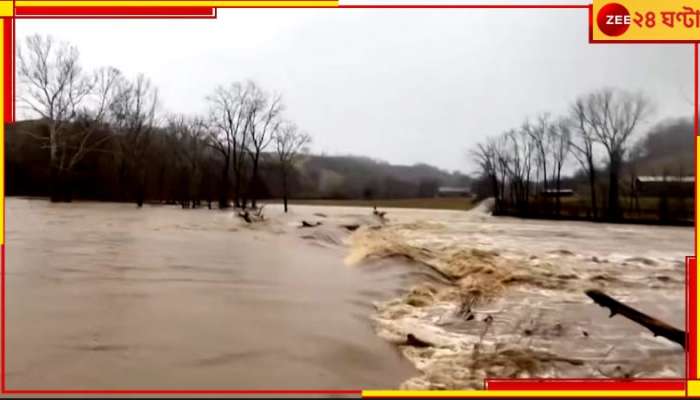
x: 657, y: 327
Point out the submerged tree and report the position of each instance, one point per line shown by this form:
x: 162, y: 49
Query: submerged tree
x: 133, y: 119
x: 189, y: 136
x: 263, y: 113
x: 486, y: 156
x: 289, y: 144
x: 229, y: 119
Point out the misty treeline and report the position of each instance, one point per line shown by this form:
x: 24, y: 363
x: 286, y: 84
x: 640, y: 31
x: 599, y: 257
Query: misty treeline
x: 525, y: 168
x: 110, y: 122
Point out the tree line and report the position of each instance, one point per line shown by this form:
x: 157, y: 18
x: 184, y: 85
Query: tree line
x: 104, y: 117
x: 522, y: 168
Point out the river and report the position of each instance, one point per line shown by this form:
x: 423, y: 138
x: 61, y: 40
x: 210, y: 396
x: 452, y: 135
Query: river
x: 104, y: 295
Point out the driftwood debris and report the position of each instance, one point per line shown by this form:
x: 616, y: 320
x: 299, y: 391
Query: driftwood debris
x: 305, y: 224
x: 246, y: 216
x: 259, y: 213
x: 657, y: 327
x: 379, y: 214
x: 412, y: 340
x: 351, y: 227
x: 255, y: 216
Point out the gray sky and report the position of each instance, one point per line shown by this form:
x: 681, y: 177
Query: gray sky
x: 406, y: 86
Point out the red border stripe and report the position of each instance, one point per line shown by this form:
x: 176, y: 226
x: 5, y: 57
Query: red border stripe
x: 3, y: 382
x: 136, y: 391
x: 697, y: 128
x: 8, y: 64
x: 584, y: 384
x: 691, y: 349
x: 143, y: 11
x: 199, y: 12
x: 492, y: 6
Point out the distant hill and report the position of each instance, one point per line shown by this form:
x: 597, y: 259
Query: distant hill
x: 363, y: 177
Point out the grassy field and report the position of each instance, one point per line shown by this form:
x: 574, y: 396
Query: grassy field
x: 437, y: 203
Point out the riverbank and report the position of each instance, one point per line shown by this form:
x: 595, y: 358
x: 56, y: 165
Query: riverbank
x: 625, y: 221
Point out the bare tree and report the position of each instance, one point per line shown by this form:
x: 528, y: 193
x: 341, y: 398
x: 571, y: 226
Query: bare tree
x: 539, y: 134
x: 612, y: 116
x: 133, y: 118
x: 263, y: 113
x: 189, y: 135
x: 228, y: 108
x: 289, y: 144
x: 560, y: 138
x: 53, y: 86
x: 519, y: 165
x: 486, y: 156
x: 583, y: 149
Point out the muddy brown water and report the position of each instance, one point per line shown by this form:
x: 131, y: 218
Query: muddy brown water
x: 536, y: 272
x: 108, y: 296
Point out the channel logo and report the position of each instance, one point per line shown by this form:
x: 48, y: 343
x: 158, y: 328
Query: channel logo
x: 613, y: 19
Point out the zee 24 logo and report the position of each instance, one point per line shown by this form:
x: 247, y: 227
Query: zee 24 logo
x: 614, y: 19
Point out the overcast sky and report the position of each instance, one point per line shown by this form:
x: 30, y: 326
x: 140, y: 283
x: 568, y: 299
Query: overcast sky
x: 405, y: 86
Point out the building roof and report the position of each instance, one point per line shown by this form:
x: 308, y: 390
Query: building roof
x: 453, y: 189
x: 562, y: 190
x: 655, y: 179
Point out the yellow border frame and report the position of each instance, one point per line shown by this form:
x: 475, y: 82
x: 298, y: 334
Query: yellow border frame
x: 7, y: 10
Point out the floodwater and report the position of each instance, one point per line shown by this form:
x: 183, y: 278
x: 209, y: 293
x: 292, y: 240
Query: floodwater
x: 108, y: 296
x: 514, y: 305
x: 103, y: 295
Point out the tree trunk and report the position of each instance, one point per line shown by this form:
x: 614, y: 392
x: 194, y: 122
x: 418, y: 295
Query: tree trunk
x: 242, y: 187
x: 238, y: 196
x: 122, y: 177
x: 284, y: 190
x: 254, y: 183
x: 496, y: 194
x: 546, y: 185
x: 225, y: 185
x: 67, y: 186
x: 140, y: 186
x: 591, y: 181
x: 558, y: 210
x: 614, y: 191
x: 55, y: 193
x: 55, y: 170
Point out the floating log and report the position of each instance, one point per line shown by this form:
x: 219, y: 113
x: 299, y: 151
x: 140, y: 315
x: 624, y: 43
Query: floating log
x: 351, y: 227
x: 412, y: 340
x: 657, y: 327
x: 305, y: 224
